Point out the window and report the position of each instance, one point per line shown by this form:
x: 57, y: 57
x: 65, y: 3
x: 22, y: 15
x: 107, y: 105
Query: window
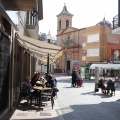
x: 59, y: 24
x: 116, y: 54
x: 67, y: 23
x: 93, y: 38
x: 93, y: 52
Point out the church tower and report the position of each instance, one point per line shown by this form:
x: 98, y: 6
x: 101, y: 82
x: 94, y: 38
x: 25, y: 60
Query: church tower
x: 64, y: 20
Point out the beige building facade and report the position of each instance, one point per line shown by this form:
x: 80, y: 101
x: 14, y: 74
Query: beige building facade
x: 89, y: 45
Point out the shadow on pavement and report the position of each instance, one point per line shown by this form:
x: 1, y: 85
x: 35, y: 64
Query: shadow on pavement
x: 97, y: 94
x: 101, y: 111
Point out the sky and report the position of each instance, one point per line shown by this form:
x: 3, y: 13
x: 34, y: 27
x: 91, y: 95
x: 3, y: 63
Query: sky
x: 86, y: 13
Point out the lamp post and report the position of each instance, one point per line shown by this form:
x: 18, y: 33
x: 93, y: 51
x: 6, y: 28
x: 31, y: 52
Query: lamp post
x: 49, y: 40
x: 65, y: 59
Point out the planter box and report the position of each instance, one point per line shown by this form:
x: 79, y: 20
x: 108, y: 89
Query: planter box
x: 57, y: 70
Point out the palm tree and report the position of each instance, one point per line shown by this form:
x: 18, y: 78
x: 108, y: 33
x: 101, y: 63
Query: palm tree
x: 66, y: 43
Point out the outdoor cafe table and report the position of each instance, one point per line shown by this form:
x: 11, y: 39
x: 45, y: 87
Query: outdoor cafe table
x: 41, y: 83
x: 40, y: 89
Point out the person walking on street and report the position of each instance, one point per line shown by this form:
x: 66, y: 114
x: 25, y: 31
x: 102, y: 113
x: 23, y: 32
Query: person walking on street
x: 74, y: 76
x: 68, y: 71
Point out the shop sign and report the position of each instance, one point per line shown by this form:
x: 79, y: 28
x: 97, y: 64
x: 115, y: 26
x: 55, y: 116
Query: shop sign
x: 75, y: 63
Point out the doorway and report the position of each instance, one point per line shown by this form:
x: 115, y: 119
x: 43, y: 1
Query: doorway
x: 68, y: 64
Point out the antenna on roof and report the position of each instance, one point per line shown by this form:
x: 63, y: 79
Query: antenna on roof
x: 104, y: 17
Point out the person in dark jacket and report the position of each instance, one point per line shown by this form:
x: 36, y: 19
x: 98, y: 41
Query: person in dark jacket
x: 50, y: 82
x: 110, y: 86
x: 74, y: 76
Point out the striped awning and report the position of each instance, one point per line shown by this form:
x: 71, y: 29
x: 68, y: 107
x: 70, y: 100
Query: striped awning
x: 39, y: 49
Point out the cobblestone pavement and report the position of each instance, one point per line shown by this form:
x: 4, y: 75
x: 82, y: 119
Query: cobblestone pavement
x: 83, y: 104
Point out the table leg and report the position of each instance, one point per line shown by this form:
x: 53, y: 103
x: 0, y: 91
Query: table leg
x: 40, y: 99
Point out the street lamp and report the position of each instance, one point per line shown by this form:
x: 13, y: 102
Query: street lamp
x: 49, y: 37
x: 66, y: 59
x: 49, y: 40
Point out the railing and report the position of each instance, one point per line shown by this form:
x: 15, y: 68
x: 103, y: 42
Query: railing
x: 31, y: 19
x: 115, y: 22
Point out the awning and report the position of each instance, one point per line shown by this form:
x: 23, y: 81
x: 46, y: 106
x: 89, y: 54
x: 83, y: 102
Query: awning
x: 105, y: 66
x: 38, y: 48
x: 57, y: 56
x: 85, y: 65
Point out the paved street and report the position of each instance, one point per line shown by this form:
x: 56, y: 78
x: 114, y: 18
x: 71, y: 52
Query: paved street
x: 83, y: 104
x: 75, y: 103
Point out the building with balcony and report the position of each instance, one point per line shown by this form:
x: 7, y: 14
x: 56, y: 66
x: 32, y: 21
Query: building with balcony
x: 16, y: 62
x: 116, y: 21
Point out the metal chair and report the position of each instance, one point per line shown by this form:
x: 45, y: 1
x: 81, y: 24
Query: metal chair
x: 26, y: 94
x: 49, y: 96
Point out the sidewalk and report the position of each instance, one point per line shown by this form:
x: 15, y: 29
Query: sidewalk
x: 26, y: 112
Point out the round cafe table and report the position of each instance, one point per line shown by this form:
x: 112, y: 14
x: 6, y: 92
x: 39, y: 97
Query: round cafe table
x: 40, y: 89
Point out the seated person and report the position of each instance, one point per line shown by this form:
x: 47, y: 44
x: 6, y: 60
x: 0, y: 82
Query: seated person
x: 101, y: 84
x: 54, y: 79
x: 45, y: 76
x: 50, y: 82
x: 27, y: 88
x: 35, y: 78
x: 26, y: 85
x: 110, y: 86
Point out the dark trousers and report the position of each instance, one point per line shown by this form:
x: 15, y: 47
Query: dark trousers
x: 73, y: 82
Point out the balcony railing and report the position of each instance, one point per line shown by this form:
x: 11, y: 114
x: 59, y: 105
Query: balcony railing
x: 31, y: 19
x: 115, y: 22
x: 32, y: 23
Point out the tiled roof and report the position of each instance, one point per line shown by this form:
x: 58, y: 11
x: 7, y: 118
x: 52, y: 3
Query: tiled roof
x: 65, y: 11
x: 104, y: 22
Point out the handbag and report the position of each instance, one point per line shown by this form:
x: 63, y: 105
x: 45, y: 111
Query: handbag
x: 55, y: 90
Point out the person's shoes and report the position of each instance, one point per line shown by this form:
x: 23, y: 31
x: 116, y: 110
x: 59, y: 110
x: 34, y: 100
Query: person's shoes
x: 73, y: 86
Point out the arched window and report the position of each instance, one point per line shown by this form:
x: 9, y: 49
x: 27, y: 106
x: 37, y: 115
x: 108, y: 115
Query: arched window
x: 67, y: 23
x: 59, y: 24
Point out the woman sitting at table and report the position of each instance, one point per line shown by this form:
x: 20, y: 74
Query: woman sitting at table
x: 26, y: 85
x: 27, y: 88
x: 35, y: 78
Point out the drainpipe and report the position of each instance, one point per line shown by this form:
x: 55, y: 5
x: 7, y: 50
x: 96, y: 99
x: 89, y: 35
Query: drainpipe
x: 30, y: 66
x: 47, y: 65
x: 12, y: 68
